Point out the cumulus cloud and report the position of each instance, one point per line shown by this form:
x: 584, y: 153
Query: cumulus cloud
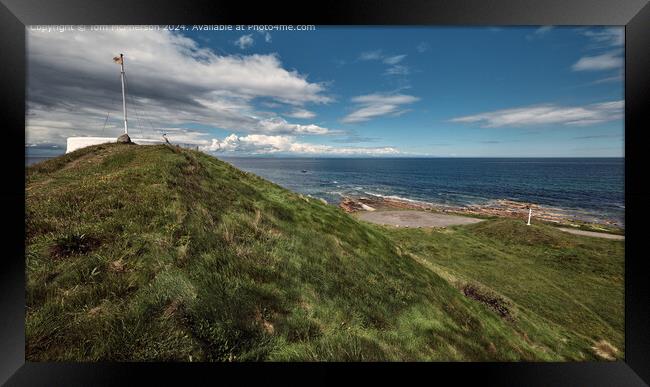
x: 266, y: 144
x: 548, y: 114
x: 72, y: 83
x: 375, y: 105
x: 279, y: 125
x: 607, y: 61
x: 245, y: 41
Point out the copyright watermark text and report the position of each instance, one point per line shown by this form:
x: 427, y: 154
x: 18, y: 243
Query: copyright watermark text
x: 180, y: 28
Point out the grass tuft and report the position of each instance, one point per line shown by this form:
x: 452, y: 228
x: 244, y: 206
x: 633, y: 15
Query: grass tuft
x: 73, y: 244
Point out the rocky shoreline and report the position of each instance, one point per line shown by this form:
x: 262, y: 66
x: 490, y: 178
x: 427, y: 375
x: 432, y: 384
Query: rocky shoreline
x: 497, y: 208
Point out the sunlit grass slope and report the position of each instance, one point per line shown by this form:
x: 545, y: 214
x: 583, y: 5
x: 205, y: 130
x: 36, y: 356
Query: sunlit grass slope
x: 160, y: 253
x: 555, y: 281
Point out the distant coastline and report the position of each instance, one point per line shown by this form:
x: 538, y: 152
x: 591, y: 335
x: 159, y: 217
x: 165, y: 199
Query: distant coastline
x: 579, y: 189
x: 585, y: 190
x: 501, y: 208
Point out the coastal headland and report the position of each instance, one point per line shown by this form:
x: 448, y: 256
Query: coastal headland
x: 160, y: 253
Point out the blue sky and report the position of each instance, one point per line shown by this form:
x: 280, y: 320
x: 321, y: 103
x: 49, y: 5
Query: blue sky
x: 463, y: 92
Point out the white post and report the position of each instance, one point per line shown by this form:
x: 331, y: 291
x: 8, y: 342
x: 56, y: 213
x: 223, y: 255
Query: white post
x: 126, y: 126
x: 530, y: 211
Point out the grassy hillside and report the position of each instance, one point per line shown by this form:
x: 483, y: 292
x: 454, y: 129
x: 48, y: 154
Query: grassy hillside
x: 157, y: 253
x: 553, y: 279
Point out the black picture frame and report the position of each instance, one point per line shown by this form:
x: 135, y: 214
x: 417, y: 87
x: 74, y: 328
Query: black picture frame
x: 16, y: 14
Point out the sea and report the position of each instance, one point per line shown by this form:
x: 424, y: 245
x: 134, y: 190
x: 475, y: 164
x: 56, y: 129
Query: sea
x: 584, y: 187
x: 587, y: 188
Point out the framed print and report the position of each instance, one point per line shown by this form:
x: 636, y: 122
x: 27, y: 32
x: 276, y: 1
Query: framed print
x: 433, y: 188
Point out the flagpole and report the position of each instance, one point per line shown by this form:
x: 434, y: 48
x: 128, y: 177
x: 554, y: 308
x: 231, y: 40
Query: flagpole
x: 126, y: 126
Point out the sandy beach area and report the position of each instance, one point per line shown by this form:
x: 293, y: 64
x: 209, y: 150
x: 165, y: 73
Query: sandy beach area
x: 408, y: 213
x: 409, y: 218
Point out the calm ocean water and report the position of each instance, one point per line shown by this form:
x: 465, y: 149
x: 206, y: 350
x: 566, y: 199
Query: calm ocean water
x: 586, y: 187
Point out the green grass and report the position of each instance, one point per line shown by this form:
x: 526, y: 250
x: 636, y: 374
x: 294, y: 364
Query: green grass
x: 554, y: 280
x: 159, y: 253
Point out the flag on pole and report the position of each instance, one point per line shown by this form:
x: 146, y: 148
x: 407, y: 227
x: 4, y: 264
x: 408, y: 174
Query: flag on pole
x: 118, y: 59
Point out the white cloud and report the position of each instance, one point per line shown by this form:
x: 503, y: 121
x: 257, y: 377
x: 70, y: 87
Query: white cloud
x: 375, y: 105
x: 607, y: 61
x: 301, y: 113
x: 548, y: 114
x: 245, y: 41
x: 265, y: 144
x: 619, y: 76
x: 608, y: 37
x: 72, y: 83
x: 371, y: 55
x: 601, y: 39
x: 397, y: 70
x: 393, y: 60
x: 543, y: 30
x: 279, y: 125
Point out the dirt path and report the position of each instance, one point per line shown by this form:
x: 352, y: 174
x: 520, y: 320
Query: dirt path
x: 414, y: 218
x: 593, y: 234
